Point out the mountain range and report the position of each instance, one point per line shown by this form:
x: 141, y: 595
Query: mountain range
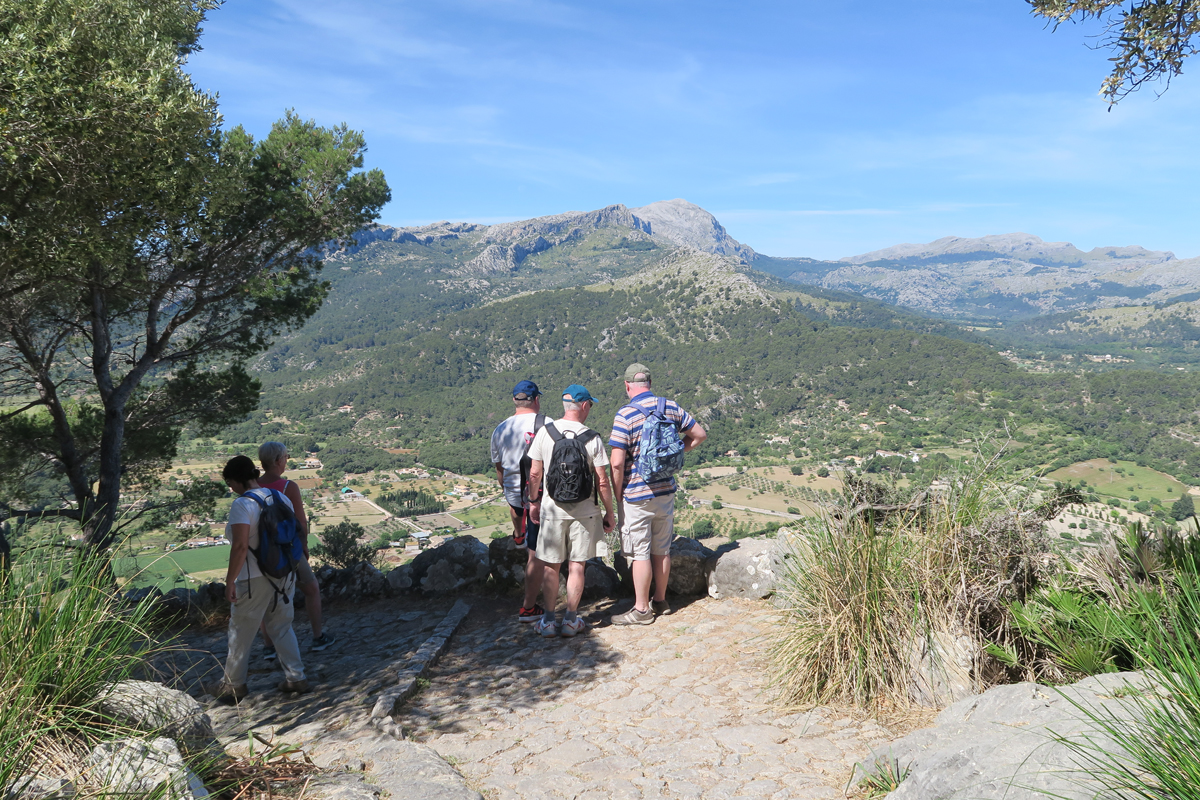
x: 985, y: 280
x: 425, y: 329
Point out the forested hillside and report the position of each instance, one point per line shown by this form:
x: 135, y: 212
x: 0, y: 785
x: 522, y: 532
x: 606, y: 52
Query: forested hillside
x: 414, y: 352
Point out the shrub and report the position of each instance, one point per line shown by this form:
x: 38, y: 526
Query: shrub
x: 797, y: 470
x: 717, y: 505
x: 793, y: 510
x: 340, y: 546
x: 822, y: 472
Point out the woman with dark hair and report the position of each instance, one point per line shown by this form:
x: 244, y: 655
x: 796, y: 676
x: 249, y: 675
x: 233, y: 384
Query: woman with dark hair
x: 252, y: 596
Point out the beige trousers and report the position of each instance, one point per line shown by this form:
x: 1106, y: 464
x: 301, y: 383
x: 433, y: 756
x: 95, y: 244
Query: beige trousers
x: 256, y: 604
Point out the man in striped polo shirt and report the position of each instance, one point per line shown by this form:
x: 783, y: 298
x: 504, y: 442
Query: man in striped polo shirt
x: 647, y: 510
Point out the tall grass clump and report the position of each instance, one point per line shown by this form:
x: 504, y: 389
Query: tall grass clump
x: 1156, y: 724
x: 64, y: 634
x: 889, y: 598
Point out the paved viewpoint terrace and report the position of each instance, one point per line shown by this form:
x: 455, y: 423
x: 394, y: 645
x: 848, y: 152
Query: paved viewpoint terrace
x: 678, y: 709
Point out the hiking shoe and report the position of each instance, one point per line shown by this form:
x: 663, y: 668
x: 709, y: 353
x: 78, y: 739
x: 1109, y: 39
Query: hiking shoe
x: 544, y: 628
x: 530, y: 614
x: 661, y: 608
x: 269, y: 653
x: 633, y: 617
x: 297, y: 687
x: 571, y: 627
x: 321, y: 642
x: 226, y: 691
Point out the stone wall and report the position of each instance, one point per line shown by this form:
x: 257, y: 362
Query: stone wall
x: 744, y: 568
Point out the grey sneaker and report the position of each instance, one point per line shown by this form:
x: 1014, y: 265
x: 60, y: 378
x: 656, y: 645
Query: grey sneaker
x: 633, y: 617
x: 321, y: 642
x: 661, y: 608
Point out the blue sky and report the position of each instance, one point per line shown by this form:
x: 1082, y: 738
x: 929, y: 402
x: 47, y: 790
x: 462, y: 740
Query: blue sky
x: 809, y: 129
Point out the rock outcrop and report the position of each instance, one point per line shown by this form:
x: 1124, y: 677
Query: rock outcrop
x: 600, y: 580
x: 510, y: 243
x: 1009, y: 743
x: 424, y: 234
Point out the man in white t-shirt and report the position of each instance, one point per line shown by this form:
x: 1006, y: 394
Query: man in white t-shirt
x: 569, y: 531
x: 510, y: 441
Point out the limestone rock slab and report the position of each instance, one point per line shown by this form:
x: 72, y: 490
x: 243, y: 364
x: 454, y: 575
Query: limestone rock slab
x: 155, y: 708
x: 745, y: 568
x: 1004, y: 743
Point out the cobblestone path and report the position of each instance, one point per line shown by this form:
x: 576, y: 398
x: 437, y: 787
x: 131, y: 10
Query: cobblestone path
x: 671, y: 710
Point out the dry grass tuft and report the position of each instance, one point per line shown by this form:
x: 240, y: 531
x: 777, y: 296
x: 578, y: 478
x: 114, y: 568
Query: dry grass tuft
x: 893, y: 598
x: 278, y: 771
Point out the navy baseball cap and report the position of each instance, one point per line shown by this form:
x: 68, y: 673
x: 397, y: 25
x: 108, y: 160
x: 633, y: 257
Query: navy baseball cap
x: 525, y: 390
x: 577, y: 393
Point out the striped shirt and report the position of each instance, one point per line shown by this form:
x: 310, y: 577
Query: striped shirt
x: 627, y: 436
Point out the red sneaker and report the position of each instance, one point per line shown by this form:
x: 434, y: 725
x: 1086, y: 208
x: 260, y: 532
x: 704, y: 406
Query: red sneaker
x: 530, y: 614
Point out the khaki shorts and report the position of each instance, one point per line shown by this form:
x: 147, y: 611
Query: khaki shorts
x: 304, y: 573
x: 569, y: 539
x: 649, y: 527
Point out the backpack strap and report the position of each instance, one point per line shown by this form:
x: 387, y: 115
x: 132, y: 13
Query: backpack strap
x: 523, y: 464
x: 585, y: 439
x: 553, y: 432
x: 262, y: 503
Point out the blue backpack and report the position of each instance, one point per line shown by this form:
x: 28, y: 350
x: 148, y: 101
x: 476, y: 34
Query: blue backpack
x: 660, y: 452
x: 279, y: 546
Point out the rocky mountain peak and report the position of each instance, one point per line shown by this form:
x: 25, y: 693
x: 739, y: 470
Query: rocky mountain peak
x: 689, y: 225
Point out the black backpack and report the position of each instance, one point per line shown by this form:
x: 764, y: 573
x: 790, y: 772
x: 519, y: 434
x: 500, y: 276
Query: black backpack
x: 539, y: 422
x: 570, y: 478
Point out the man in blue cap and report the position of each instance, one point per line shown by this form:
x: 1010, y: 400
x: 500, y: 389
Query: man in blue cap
x: 510, y: 443
x: 570, y: 467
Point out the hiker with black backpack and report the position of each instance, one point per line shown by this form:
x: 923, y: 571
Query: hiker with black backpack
x: 261, y: 579
x: 649, y: 437
x: 510, y: 456
x: 569, y: 471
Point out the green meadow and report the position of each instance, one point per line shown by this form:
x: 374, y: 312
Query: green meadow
x: 1122, y: 479
x: 179, y: 568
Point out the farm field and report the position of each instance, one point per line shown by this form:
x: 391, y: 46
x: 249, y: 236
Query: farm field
x: 493, y: 514
x: 1122, y: 479
x: 167, y: 570
x: 771, y: 488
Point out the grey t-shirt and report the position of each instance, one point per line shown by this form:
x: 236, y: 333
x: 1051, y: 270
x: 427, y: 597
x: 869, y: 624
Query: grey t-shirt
x: 508, y: 445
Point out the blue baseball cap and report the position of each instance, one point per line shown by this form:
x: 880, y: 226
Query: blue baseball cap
x: 526, y: 390
x: 577, y: 393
